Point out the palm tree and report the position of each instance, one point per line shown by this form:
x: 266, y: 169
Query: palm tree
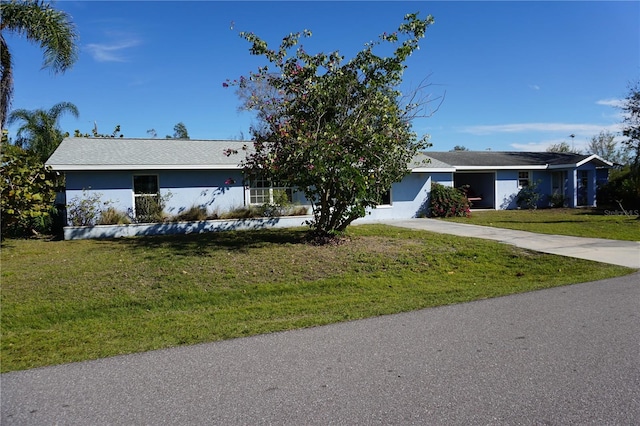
x: 39, y: 132
x: 41, y: 24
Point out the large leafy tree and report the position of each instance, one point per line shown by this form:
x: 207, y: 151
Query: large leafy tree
x: 26, y: 192
x: 179, y: 132
x: 605, y: 146
x: 39, y: 132
x: 51, y: 29
x: 564, y: 147
x: 631, y: 125
x: 340, y: 131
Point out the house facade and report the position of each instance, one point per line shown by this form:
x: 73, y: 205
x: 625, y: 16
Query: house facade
x: 127, y: 173
x: 495, y: 178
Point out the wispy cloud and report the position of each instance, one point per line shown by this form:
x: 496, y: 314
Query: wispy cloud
x: 111, y: 52
x: 569, y: 128
x: 534, y: 87
x: 610, y: 102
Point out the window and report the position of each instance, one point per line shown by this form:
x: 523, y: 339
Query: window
x: 263, y: 191
x: 558, y: 182
x: 523, y: 179
x: 146, y: 195
x: 386, y: 199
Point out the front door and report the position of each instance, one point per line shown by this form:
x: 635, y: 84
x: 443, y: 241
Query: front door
x: 583, y: 188
x: 558, y: 189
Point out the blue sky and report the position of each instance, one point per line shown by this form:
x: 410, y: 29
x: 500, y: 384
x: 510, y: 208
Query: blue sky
x: 514, y: 75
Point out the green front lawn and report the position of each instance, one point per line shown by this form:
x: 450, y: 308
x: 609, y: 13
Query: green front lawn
x: 66, y: 301
x: 577, y: 222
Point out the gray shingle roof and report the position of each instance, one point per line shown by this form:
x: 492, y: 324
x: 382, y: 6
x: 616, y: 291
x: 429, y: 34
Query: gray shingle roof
x: 123, y: 154
x: 180, y: 154
x: 170, y: 154
x: 462, y: 159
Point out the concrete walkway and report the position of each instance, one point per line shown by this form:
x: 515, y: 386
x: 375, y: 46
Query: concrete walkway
x: 615, y: 252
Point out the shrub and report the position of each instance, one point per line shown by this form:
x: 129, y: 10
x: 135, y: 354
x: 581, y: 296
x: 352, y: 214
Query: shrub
x: 621, y: 189
x: 150, y: 208
x: 557, y: 200
x: 448, y: 202
x: 86, y: 210
x: 192, y: 214
x: 111, y: 216
x: 242, y: 213
x: 528, y: 196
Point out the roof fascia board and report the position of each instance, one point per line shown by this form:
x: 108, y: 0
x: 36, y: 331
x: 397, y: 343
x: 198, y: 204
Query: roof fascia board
x: 521, y: 167
x: 594, y: 157
x: 120, y: 167
x: 433, y: 170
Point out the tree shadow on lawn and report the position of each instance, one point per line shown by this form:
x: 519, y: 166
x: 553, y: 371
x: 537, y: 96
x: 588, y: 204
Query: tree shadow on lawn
x: 199, y: 244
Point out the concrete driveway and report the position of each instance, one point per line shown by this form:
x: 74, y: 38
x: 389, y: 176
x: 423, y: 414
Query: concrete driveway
x: 616, y: 252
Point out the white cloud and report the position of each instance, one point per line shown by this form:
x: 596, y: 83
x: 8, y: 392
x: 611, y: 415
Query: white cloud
x: 111, y: 52
x: 534, y: 87
x: 568, y: 128
x: 611, y: 102
x: 544, y: 144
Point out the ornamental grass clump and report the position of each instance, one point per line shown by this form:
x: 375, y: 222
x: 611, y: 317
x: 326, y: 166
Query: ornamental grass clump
x: 448, y: 202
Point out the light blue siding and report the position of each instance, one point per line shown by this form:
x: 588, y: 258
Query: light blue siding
x: 410, y: 197
x: 506, y: 189
x: 180, y: 189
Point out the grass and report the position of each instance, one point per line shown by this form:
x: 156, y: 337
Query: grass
x: 576, y: 222
x: 65, y: 301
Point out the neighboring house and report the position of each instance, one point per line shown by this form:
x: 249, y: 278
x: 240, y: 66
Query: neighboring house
x: 495, y: 178
x: 186, y: 173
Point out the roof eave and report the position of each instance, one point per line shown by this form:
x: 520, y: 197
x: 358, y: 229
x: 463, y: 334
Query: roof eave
x: 433, y: 170
x: 515, y: 167
x: 120, y: 167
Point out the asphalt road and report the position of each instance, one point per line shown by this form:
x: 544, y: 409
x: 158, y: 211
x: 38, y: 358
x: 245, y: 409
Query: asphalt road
x: 568, y: 355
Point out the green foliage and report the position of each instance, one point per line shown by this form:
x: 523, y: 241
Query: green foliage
x: 111, y: 216
x: 335, y: 130
x: 51, y: 29
x: 528, y: 196
x: 39, y: 132
x: 605, y: 146
x: 193, y: 213
x: 563, y: 147
x: 87, y: 209
x: 140, y: 294
x: 557, y: 200
x: 631, y: 130
x: 446, y: 201
x: 179, y: 132
x: 621, y: 190
x: 27, y: 189
x: 149, y: 209
x: 94, y: 133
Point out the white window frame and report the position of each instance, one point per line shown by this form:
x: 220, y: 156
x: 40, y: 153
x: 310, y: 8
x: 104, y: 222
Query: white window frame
x: 264, y: 193
x: 155, y: 195
x: 524, y: 176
